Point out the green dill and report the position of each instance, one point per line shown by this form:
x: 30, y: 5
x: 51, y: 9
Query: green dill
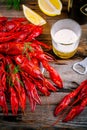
x: 9, y: 81
x: 7, y: 68
x: 16, y: 4
x: 27, y: 56
x: 16, y: 69
x: 9, y: 4
x: 20, y: 81
x: 27, y: 47
x: 13, y: 4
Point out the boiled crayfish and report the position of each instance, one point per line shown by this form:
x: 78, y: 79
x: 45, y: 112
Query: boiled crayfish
x: 20, y: 58
x: 75, y: 101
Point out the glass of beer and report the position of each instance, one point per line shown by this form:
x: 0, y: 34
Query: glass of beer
x: 66, y: 34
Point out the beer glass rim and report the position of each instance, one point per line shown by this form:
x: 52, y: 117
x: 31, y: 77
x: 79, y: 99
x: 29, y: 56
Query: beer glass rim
x: 68, y: 20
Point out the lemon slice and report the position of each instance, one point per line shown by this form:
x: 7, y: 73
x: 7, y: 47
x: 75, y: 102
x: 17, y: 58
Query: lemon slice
x: 50, y: 7
x: 33, y: 17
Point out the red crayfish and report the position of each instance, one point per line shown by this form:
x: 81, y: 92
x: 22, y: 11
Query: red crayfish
x: 75, y: 101
x: 21, y: 56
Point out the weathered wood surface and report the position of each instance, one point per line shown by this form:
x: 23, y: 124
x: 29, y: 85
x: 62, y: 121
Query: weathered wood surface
x: 43, y: 116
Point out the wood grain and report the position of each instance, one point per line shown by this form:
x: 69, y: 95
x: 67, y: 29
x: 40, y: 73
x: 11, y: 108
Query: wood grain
x: 43, y: 116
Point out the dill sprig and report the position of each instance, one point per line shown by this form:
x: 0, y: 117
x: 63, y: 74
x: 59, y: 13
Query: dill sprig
x: 16, y: 69
x: 13, y: 4
x: 27, y: 48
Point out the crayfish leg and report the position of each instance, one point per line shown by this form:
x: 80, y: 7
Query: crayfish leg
x: 3, y: 103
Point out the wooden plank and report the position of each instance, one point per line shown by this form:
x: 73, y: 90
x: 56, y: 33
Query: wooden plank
x: 43, y: 116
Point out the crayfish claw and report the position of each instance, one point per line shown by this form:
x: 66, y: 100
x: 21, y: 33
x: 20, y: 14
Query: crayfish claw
x: 73, y: 113
x: 62, y: 105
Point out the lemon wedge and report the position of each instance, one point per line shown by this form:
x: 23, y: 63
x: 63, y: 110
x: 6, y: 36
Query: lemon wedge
x: 50, y: 7
x: 32, y: 16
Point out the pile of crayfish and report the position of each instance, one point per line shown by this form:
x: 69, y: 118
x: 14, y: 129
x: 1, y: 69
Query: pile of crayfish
x: 20, y: 58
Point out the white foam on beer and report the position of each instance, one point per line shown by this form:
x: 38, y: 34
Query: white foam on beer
x: 64, y: 37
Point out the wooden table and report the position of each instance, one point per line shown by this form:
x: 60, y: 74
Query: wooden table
x: 43, y: 116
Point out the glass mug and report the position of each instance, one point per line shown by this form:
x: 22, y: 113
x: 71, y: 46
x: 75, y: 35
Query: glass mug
x: 65, y: 34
